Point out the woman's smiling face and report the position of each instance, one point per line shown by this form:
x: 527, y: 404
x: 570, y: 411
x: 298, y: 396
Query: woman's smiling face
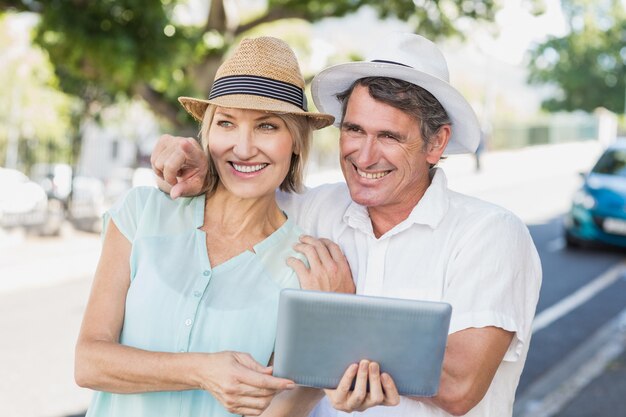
x: 251, y: 151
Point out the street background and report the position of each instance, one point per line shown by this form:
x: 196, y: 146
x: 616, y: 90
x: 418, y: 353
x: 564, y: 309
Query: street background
x: 45, y: 283
x: 88, y: 87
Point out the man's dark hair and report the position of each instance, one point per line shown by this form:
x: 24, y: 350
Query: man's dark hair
x: 405, y: 96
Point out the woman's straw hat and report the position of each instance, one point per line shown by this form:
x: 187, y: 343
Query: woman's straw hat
x: 262, y: 74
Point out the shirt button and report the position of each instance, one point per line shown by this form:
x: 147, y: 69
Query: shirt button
x: 197, y: 293
x: 188, y: 322
x: 206, y: 273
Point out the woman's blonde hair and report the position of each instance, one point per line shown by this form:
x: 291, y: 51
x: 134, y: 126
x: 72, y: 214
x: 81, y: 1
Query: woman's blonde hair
x: 301, y: 130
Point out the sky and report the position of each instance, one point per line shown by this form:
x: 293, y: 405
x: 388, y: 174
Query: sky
x: 490, y: 70
x: 518, y: 29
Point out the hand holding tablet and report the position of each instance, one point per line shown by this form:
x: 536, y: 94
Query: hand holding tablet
x: 321, y: 334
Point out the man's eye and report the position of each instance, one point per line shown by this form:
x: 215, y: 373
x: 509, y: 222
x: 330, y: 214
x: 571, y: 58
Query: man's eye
x: 353, y: 129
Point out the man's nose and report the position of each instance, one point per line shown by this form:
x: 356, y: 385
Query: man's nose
x: 368, y: 152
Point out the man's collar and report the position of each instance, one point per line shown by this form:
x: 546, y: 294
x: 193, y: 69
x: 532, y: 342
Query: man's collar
x: 429, y: 211
x: 433, y: 205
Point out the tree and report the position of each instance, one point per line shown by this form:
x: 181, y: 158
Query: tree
x: 107, y: 48
x: 35, y: 117
x: 588, y: 65
x: 104, y: 48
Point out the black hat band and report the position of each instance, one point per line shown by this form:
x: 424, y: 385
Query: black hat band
x: 259, y: 86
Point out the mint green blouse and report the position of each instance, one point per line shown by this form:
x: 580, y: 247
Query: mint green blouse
x: 177, y: 302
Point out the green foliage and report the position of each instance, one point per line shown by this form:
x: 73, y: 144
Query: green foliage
x: 32, y: 109
x: 432, y: 18
x: 101, y: 49
x: 104, y: 47
x: 588, y: 65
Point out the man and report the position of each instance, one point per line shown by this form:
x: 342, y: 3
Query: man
x: 404, y: 233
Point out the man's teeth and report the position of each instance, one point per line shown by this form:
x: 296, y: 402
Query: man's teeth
x: 372, y: 175
x: 248, y: 168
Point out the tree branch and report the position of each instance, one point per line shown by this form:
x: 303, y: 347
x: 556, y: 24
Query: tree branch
x: 159, y: 104
x: 272, y: 15
x: 14, y: 5
x: 216, y: 19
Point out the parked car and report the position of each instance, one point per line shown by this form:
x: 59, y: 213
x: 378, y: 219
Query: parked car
x: 55, y: 178
x: 92, y: 196
x: 87, y: 203
x: 598, y: 212
x: 24, y: 204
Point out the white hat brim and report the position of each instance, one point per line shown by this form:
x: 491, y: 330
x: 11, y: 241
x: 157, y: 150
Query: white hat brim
x: 327, y: 84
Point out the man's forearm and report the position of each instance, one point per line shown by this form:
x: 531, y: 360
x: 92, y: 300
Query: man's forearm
x: 471, y: 360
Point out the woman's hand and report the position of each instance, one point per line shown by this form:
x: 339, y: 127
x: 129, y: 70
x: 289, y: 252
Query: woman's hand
x: 382, y: 389
x: 328, y: 267
x: 180, y: 165
x: 239, y: 383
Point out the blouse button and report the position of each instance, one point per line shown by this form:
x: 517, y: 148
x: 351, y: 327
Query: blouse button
x: 206, y: 273
x: 188, y: 322
x: 197, y: 293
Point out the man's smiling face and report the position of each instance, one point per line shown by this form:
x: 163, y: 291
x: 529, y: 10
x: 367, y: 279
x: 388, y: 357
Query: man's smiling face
x: 383, y: 156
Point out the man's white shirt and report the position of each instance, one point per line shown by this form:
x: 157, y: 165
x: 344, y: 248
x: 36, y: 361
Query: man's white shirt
x: 476, y: 256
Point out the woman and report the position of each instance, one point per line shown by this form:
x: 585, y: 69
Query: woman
x: 182, y: 314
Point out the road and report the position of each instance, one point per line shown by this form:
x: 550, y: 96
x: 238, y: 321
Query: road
x: 565, y: 272
x: 44, y: 284
x: 581, y: 309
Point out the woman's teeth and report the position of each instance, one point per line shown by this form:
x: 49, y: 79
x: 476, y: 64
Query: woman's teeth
x: 248, y: 168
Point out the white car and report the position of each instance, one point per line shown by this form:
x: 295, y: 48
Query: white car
x: 23, y: 203
x: 87, y: 204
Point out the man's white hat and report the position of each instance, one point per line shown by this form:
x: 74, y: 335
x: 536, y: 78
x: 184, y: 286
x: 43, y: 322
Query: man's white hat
x: 411, y: 58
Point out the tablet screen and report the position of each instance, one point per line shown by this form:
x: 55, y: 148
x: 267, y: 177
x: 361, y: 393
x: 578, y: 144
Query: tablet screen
x: 320, y: 334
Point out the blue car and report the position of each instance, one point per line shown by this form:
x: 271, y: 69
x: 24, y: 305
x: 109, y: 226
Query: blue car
x: 598, y: 212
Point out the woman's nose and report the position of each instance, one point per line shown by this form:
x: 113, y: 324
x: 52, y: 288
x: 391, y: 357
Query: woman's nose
x: 244, y: 147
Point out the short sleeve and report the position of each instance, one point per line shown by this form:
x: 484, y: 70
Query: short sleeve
x: 127, y: 211
x: 494, y: 279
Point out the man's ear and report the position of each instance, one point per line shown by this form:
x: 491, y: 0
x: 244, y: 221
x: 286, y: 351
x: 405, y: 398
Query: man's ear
x: 438, y: 144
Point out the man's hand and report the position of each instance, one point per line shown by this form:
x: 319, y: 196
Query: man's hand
x: 180, y: 165
x: 329, y: 269
x: 382, y: 389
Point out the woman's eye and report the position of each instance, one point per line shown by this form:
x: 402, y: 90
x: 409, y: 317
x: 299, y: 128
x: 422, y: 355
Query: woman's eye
x: 224, y: 123
x: 268, y: 126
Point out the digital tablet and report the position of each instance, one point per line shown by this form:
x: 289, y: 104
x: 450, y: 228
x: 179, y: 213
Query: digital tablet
x: 320, y: 334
